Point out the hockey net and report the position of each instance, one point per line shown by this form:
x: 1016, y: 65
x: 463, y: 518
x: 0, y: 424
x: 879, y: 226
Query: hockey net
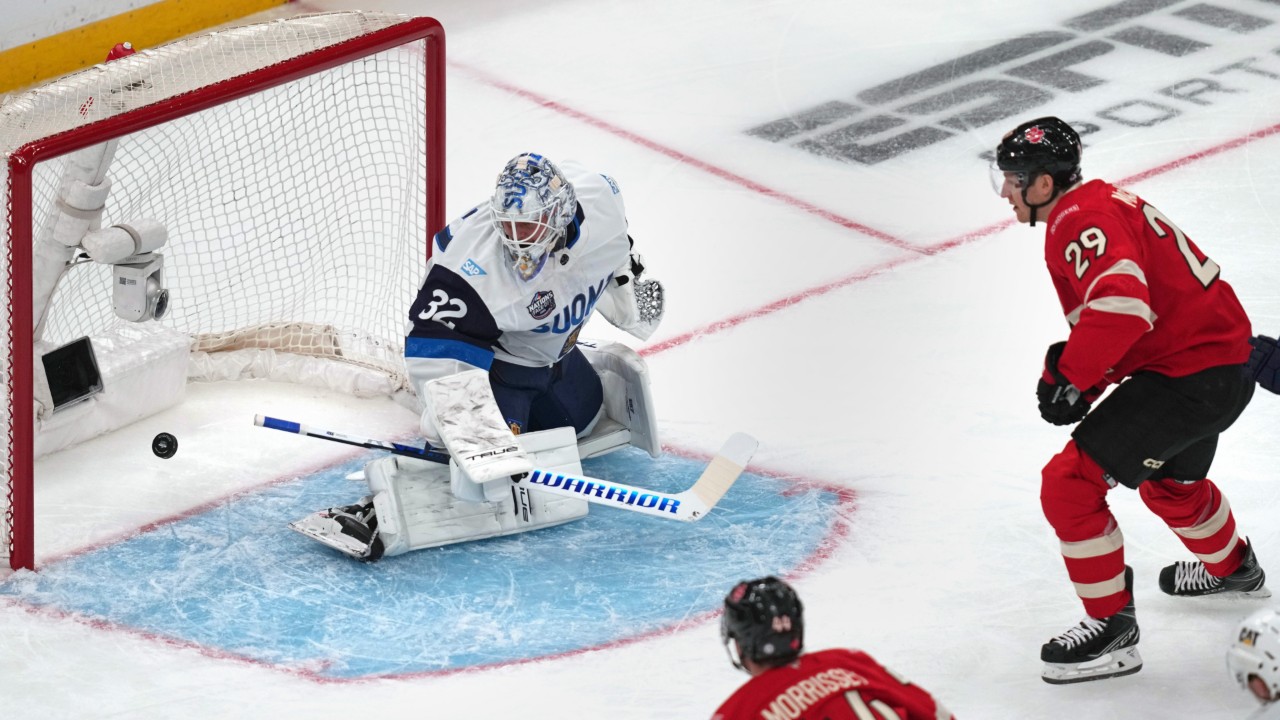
x: 297, y: 168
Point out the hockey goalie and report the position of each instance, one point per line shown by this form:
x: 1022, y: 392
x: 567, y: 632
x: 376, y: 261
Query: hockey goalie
x: 505, y: 386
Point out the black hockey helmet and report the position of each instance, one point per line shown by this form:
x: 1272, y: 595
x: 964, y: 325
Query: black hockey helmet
x: 1045, y: 145
x: 766, y: 619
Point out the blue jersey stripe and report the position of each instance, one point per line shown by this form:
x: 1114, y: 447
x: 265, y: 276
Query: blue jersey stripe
x: 575, y: 228
x: 418, y: 347
x: 443, y: 238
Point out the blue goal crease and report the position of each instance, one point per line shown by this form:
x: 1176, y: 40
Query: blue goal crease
x: 236, y: 580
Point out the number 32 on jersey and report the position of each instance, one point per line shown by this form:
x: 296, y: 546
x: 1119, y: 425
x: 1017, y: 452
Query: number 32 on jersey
x: 443, y: 309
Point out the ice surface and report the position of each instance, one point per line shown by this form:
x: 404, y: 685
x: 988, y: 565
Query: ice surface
x: 877, y: 327
x: 233, y: 580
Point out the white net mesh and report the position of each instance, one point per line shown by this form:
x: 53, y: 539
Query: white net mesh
x: 296, y: 216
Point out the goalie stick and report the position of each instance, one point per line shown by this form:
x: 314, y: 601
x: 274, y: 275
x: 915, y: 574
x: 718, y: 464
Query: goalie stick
x: 690, y: 505
x: 424, y: 453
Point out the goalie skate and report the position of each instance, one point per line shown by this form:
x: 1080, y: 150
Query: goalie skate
x: 351, y: 530
x: 1095, y: 649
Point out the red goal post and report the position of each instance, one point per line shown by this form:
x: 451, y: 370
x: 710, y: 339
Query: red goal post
x: 296, y: 168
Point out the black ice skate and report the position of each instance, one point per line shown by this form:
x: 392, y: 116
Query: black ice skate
x: 350, y: 529
x: 1095, y: 649
x: 1190, y: 578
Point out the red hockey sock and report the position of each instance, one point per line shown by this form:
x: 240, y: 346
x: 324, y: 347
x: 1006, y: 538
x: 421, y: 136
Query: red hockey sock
x: 1201, y: 517
x: 1073, y: 497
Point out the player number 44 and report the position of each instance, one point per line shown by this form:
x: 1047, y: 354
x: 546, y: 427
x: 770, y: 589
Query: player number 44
x: 875, y: 710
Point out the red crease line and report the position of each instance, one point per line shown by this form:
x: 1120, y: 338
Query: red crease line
x: 916, y: 251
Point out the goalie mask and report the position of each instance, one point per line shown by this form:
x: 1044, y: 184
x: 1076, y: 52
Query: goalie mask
x: 1254, y: 657
x: 763, y: 622
x: 532, y: 207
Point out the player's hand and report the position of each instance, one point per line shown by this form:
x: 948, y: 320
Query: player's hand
x: 1263, y: 364
x: 1061, y: 403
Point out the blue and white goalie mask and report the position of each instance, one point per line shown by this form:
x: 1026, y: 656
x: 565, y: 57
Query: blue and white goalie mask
x: 532, y: 207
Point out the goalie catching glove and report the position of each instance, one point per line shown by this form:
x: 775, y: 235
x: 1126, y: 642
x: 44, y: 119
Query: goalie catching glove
x: 1062, y: 403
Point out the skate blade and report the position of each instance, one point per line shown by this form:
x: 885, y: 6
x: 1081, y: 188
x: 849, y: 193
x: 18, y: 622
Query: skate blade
x: 1114, y: 664
x: 1259, y: 594
x: 327, y: 532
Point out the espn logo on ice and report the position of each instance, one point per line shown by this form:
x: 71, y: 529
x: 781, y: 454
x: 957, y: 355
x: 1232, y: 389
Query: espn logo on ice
x: 1015, y: 77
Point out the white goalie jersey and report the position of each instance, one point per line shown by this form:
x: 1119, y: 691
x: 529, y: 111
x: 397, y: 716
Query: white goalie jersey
x: 518, y: 298
x: 472, y: 308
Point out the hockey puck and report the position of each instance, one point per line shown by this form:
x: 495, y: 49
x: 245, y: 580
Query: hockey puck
x: 164, y: 445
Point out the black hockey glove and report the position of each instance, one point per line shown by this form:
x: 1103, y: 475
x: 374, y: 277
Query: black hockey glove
x: 1061, y: 403
x: 1263, y: 364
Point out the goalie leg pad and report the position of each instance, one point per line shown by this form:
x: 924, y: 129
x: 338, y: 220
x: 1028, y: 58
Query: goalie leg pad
x: 419, y: 504
x: 407, y: 495
x: 630, y: 417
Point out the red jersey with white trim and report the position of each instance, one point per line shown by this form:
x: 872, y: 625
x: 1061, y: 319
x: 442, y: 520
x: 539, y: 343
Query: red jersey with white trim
x: 831, y: 685
x: 1138, y: 294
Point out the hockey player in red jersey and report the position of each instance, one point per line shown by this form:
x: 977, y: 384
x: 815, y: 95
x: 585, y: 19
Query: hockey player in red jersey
x: 763, y: 631
x: 1148, y: 313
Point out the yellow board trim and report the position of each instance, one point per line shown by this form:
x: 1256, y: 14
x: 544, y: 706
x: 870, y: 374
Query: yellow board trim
x: 146, y: 27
